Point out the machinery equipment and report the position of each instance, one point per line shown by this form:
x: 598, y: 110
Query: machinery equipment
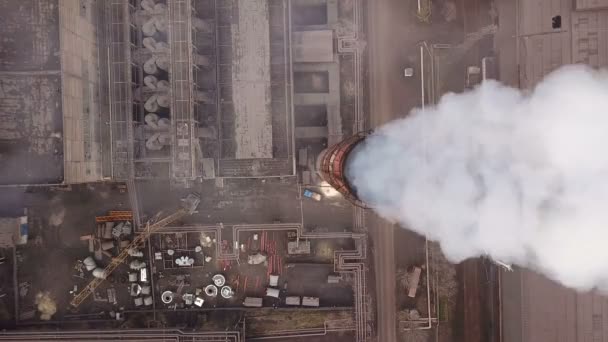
x: 188, y: 206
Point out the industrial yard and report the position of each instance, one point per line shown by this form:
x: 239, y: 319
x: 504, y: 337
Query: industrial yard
x: 178, y: 170
x: 170, y: 182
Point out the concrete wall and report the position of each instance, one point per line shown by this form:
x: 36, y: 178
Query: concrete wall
x: 80, y: 89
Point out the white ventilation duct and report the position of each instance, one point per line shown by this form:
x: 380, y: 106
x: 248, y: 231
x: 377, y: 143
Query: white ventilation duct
x: 151, y: 82
x: 150, y: 66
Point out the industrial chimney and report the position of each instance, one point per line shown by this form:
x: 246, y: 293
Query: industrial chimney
x: 332, y: 166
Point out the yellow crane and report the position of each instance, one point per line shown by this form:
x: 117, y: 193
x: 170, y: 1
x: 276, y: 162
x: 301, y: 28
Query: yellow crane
x: 188, y: 206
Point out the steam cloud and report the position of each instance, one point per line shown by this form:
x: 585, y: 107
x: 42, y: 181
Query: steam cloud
x: 521, y: 176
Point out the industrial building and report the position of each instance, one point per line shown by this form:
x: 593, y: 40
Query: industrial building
x: 50, y: 112
x: 105, y: 100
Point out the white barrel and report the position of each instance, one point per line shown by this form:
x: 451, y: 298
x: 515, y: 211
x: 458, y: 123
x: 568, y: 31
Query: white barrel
x: 89, y: 263
x: 99, y: 273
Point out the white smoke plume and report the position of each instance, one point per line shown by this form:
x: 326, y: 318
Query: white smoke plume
x: 521, y: 176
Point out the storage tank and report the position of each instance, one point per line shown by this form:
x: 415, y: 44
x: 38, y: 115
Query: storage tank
x: 332, y: 166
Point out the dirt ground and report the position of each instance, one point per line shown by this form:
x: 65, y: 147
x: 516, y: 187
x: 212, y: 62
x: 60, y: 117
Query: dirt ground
x: 58, y: 217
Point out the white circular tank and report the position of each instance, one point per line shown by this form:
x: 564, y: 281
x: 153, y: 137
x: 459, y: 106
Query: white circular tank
x: 99, y: 273
x: 219, y: 280
x: 167, y: 297
x: 226, y: 292
x: 211, y: 291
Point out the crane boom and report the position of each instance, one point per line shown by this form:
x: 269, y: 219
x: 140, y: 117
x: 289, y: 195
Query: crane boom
x: 188, y: 207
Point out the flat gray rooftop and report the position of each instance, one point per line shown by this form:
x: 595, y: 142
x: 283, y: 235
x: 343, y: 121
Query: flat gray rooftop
x: 31, y: 144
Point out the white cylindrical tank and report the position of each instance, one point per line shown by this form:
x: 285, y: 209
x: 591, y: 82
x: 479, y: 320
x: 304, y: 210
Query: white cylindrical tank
x: 89, y: 263
x: 219, y: 280
x: 226, y: 292
x: 211, y: 291
x: 99, y: 273
x: 167, y: 297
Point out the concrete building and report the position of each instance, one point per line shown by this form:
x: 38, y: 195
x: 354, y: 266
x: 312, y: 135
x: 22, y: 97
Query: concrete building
x: 50, y: 110
x: 255, y: 124
x: 326, y: 84
x: 316, y: 69
x: 535, y: 38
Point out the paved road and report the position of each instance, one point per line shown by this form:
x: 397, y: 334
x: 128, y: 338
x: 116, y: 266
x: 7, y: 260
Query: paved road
x: 385, y: 83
